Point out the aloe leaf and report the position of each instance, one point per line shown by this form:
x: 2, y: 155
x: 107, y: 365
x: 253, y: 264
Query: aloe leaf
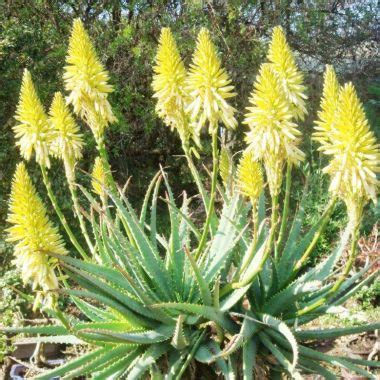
x: 93, y: 313
x: 72, y: 365
x: 103, y: 253
x: 316, y: 355
x: 343, y: 295
x: 148, y: 193
x: 186, y: 221
x: 115, y: 369
x: 203, y: 286
x: 109, y: 326
x: 248, y: 329
x: 160, y: 334
x: 153, y: 214
x: 147, y: 301
x: 286, y: 258
x: 289, y: 296
x: 254, y: 268
x: 176, y: 259
x: 299, y: 252
x: 58, y: 339
x: 335, y: 332
x: 175, y: 361
x: 284, y: 330
x: 46, y: 329
x: 337, y: 361
x: 111, y: 255
x: 313, y: 367
x: 289, y: 367
x: 205, y: 311
x: 338, y: 298
x: 348, y: 294
x: 117, y: 294
x: 186, y: 224
x: 129, y: 256
x: 232, y: 367
x: 101, y: 361
x: 114, y: 278
x: 148, y: 255
x: 268, y: 277
x: 179, y: 340
x: 155, y: 373
x: 324, y: 269
x: 206, y: 353
x: 249, y: 359
x: 233, y: 298
x: 142, y: 364
x: 106, y: 300
x: 224, y: 240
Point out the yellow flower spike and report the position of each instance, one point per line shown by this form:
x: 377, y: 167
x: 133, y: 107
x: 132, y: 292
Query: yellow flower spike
x: 329, y: 106
x: 225, y: 167
x: 67, y: 142
x: 209, y: 87
x: 169, y: 87
x: 272, y: 131
x: 250, y: 180
x: 284, y: 64
x: 355, y: 154
x: 87, y: 80
x: 33, y: 233
x: 98, y: 177
x: 274, y: 168
x: 32, y: 132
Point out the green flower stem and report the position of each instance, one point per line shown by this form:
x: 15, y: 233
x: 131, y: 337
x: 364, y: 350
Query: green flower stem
x: 274, y: 223
x: 286, y: 205
x: 61, y: 217
x: 342, y: 277
x: 268, y: 249
x: 196, y: 176
x: 351, y: 259
x: 325, y: 218
x: 191, y: 354
x: 104, y: 156
x: 210, y: 209
x: 79, y: 215
x: 255, y: 217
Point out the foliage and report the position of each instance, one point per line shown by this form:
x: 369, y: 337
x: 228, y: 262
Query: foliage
x: 228, y: 289
x: 369, y: 296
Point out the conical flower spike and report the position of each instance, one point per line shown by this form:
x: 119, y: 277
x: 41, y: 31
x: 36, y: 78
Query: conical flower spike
x: 226, y: 167
x: 284, y: 64
x: 98, y: 177
x: 33, y: 233
x: 250, y: 180
x: 67, y: 141
x: 169, y: 87
x: 269, y: 119
x: 209, y: 87
x: 32, y: 132
x: 87, y: 80
x: 329, y: 107
x: 355, y: 154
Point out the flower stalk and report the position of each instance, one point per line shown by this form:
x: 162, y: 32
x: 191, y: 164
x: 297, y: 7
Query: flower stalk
x: 285, y: 211
x: 211, y: 205
x: 82, y: 224
x: 60, y: 215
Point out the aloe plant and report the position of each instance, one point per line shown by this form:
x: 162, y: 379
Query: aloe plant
x: 230, y: 291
